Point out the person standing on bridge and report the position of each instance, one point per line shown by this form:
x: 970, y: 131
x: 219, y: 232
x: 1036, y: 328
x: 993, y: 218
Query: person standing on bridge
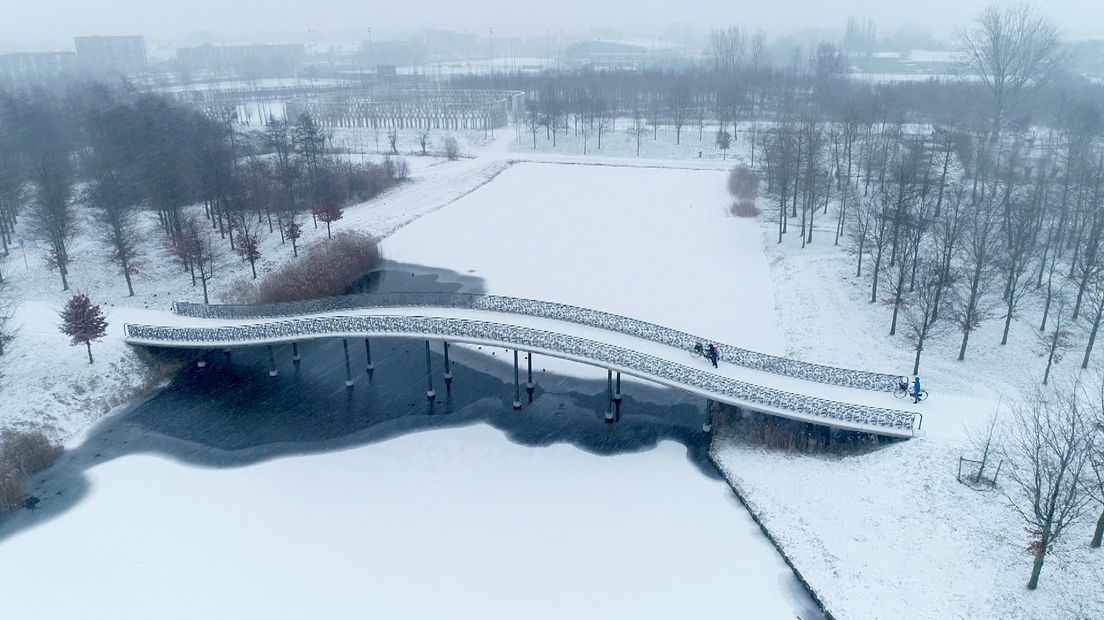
x: 713, y: 354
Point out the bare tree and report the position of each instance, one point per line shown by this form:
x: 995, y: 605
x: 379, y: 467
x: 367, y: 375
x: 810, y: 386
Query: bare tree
x: 249, y: 239
x: 1054, y: 343
x: 111, y: 197
x: 51, y: 217
x: 1094, y: 485
x: 1010, y: 48
x: 726, y: 48
x: 978, y: 252
x: 1048, y: 447
x: 986, y: 441
x: 293, y: 231
x: 393, y: 140
x: 923, y: 313
x: 200, y: 252
x: 423, y: 140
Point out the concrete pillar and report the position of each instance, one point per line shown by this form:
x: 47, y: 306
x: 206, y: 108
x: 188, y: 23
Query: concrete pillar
x: 617, y: 390
x: 272, y: 372
x: 529, y: 385
x: 368, y: 354
x: 448, y: 368
x: 295, y: 352
x: 201, y: 362
x: 430, y: 394
x: 348, y: 368
x: 517, y: 384
x: 609, y: 396
x: 708, y: 426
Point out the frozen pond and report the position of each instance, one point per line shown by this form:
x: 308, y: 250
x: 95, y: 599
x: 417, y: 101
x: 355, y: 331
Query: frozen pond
x: 230, y: 494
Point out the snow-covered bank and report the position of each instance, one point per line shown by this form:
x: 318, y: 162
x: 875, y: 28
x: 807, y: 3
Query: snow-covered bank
x: 449, y: 523
x: 892, y: 534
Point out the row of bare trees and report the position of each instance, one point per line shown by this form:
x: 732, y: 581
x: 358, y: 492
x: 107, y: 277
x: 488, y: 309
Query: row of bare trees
x: 111, y: 160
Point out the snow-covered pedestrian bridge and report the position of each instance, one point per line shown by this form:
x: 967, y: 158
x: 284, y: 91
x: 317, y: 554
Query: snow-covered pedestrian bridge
x: 838, y: 397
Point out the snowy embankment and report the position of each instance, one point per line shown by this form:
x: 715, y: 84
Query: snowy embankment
x: 48, y: 385
x: 893, y: 535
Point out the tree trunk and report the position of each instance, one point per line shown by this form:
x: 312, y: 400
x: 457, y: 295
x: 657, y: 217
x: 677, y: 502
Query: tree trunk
x: 1007, y: 322
x: 88, y: 344
x: 1037, y: 566
x: 1099, y: 532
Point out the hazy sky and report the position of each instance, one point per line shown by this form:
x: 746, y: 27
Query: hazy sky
x: 46, y: 23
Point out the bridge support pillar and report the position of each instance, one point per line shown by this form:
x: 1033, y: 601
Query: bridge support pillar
x: 448, y: 368
x: 368, y: 353
x: 345, y: 345
x: 609, y: 396
x: 707, y: 427
x: 529, y: 385
x: 202, y: 361
x: 517, y: 384
x: 295, y: 357
x: 430, y: 394
x: 617, y: 390
x: 272, y: 372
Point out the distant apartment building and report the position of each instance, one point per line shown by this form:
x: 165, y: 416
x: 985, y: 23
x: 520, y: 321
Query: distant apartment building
x: 23, y: 67
x: 111, y: 55
x: 266, y: 60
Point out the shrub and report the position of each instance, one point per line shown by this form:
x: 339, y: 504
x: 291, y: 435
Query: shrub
x: 743, y: 183
x: 452, y: 148
x: 13, y: 490
x: 22, y: 454
x: 27, y: 452
x: 327, y: 269
x: 745, y: 208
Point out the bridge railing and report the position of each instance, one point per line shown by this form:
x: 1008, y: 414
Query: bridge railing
x: 545, y: 309
x: 859, y: 417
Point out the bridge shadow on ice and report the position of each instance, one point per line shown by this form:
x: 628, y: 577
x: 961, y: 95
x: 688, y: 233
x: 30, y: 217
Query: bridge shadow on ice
x: 232, y: 414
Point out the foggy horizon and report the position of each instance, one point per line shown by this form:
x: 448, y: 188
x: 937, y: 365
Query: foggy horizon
x: 53, y: 24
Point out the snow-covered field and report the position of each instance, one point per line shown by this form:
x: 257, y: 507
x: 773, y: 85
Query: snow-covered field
x: 888, y: 535
x: 441, y: 524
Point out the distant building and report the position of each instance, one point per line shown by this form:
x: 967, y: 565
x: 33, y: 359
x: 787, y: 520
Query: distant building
x: 21, y: 67
x: 260, y: 60
x: 111, y: 55
x: 629, y: 54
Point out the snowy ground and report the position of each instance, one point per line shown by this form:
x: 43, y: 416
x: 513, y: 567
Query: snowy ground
x: 446, y: 523
x: 871, y: 533
x: 893, y: 535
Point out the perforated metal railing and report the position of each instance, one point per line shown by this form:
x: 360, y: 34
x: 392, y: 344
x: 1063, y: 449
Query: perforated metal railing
x: 550, y: 310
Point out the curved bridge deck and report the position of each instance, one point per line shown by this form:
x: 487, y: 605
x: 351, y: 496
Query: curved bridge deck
x: 841, y: 398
